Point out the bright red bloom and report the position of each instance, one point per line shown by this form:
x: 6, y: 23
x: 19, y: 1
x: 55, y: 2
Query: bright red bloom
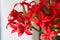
x: 19, y: 28
x: 49, y: 34
x: 48, y: 37
x: 19, y: 22
x: 14, y: 15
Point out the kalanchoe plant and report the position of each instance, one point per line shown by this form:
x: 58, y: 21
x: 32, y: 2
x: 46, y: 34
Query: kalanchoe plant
x: 45, y: 14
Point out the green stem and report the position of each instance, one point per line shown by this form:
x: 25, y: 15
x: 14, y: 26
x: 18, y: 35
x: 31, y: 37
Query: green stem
x: 40, y: 33
x: 24, y: 10
x: 35, y: 29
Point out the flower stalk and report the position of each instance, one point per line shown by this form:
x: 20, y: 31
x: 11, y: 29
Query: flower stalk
x: 24, y: 10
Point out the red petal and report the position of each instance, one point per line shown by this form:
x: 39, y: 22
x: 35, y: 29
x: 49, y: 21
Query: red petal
x: 40, y: 15
x: 7, y: 25
x: 43, y: 36
x: 47, y: 30
x: 26, y: 25
x: 49, y: 38
x: 12, y: 25
x: 43, y: 2
x: 14, y: 30
x: 47, y: 19
x: 53, y: 34
x: 28, y: 32
x: 20, y: 33
x: 19, y: 19
x: 11, y: 20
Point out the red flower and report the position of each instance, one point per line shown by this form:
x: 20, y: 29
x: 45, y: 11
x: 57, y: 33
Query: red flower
x: 42, y: 14
x: 14, y: 15
x: 48, y: 37
x: 17, y: 23
x: 49, y: 34
x: 19, y: 28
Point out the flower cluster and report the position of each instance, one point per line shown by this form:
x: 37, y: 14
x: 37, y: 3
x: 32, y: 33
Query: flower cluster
x: 45, y: 14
